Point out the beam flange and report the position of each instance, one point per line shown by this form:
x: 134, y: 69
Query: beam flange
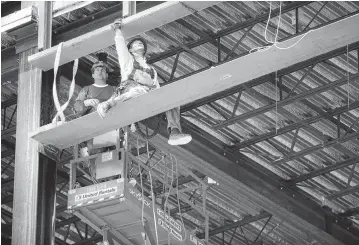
x: 103, y: 37
x: 321, y: 171
x: 18, y: 19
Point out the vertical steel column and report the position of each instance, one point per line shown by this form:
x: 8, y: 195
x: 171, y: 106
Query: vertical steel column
x: 45, y: 233
x: 128, y: 8
x: 45, y: 230
x: 26, y: 175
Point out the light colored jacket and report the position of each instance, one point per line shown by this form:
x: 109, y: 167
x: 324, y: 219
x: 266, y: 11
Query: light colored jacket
x: 126, y: 61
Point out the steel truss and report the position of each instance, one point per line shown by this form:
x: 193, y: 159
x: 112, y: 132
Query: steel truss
x: 6, y: 126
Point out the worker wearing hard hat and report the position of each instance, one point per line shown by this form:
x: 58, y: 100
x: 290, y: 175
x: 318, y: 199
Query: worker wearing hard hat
x: 138, y: 77
x: 92, y: 95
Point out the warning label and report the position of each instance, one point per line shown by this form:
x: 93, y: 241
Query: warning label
x: 95, y: 194
x: 169, y: 219
x: 107, y: 156
x: 167, y: 227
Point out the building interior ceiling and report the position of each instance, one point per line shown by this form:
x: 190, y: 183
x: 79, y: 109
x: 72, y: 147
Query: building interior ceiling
x: 298, y: 126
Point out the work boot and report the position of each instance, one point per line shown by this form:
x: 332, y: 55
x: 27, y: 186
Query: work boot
x: 103, y: 108
x: 178, y: 138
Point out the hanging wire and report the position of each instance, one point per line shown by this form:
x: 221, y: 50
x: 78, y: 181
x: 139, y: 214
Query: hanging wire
x: 168, y: 194
x: 275, y: 43
x: 348, y: 87
x: 139, y: 169
x: 276, y: 103
x: 178, y: 202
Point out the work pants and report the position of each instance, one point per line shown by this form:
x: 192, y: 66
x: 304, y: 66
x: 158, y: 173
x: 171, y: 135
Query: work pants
x: 173, y: 119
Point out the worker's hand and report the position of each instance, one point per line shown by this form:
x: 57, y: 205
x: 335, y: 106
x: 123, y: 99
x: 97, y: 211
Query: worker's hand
x: 117, y: 24
x: 91, y: 102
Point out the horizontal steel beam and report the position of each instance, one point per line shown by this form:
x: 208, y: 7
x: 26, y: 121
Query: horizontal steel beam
x: 350, y: 212
x: 266, y: 78
x: 7, y: 153
x: 321, y: 171
x: 244, y: 221
x: 309, y: 150
x: 92, y: 240
x: 284, y: 102
x: 293, y: 126
x: 227, y: 31
x: 67, y: 222
x: 9, y: 102
x: 344, y: 192
x: 8, y: 132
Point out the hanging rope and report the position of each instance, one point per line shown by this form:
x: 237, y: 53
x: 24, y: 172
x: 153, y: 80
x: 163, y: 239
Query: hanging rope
x: 61, y: 109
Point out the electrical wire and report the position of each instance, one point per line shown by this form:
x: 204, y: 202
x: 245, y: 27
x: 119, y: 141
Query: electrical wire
x: 275, y: 43
x: 276, y: 103
x: 348, y: 88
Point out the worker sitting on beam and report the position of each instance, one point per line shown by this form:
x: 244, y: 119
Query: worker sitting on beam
x: 90, y: 96
x: 137, y: 77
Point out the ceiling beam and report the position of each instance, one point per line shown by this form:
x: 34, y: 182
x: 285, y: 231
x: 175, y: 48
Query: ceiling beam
x: 267, y: 77
x: 322, y: 171
x: 281, y: 103
x: 9, y: 102
x: 293, y: 126
x: 344, y: 192
x: 8, y: 132
x: 350, y: 212
x: 227, y: 31
x: 309, y: 150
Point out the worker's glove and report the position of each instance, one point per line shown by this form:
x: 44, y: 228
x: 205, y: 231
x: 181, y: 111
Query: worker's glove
x: 117, y: 24
x: 103, y: 108
x: 91, y: 102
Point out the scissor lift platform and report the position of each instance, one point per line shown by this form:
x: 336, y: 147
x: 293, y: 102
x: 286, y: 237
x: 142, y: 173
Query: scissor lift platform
x: 116, y: 208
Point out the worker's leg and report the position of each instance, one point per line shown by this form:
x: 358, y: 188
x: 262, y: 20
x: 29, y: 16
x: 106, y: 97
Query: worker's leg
x: 174, y: 128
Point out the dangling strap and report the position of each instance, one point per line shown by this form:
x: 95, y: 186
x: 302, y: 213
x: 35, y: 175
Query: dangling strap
x: 61, y: 109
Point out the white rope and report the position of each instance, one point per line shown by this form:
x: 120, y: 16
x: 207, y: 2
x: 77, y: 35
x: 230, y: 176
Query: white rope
x: 61, y: 109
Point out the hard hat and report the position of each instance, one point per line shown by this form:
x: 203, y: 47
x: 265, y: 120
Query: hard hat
x: 138, y: 39
x: 102, y: 61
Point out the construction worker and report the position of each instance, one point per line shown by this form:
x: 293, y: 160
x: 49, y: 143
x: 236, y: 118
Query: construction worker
x: 92, y: 95
x: 137, y: 77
